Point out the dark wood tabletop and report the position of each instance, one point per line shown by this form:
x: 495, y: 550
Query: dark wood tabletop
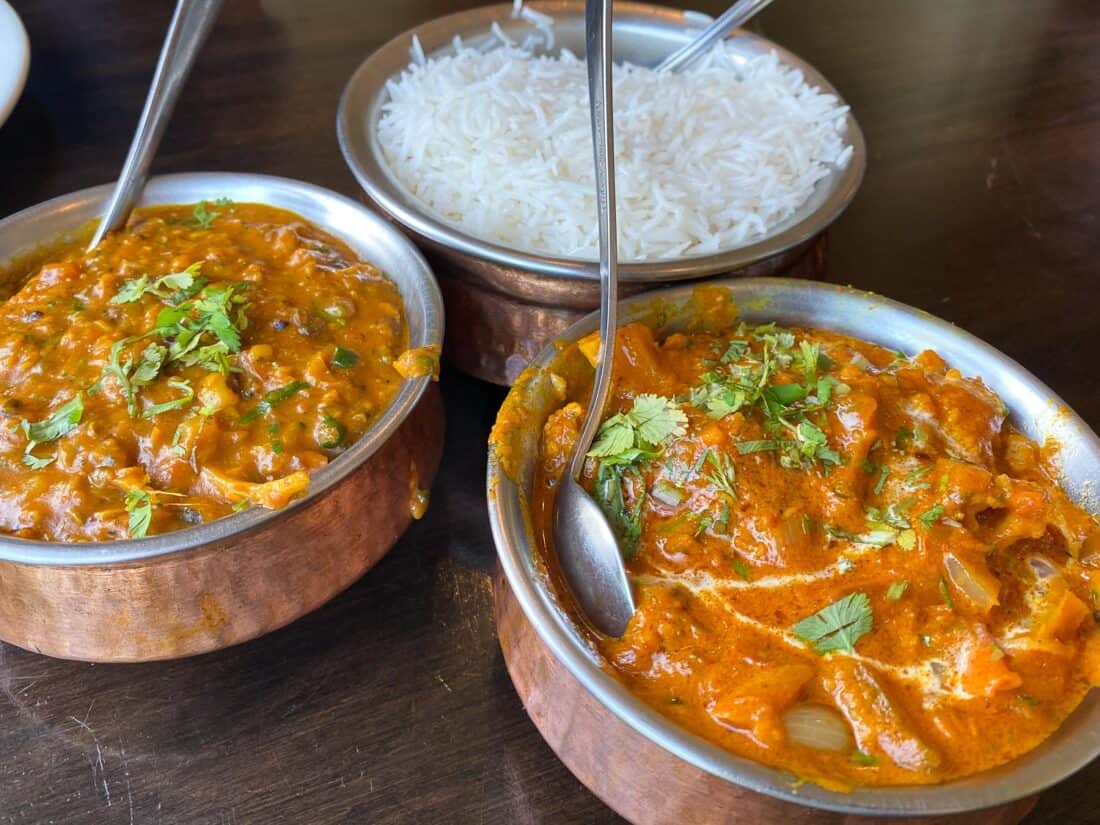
x: 392, y: 704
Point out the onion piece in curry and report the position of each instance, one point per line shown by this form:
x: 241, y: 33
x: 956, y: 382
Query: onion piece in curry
x: 206, y: 358
x: 847, y: 563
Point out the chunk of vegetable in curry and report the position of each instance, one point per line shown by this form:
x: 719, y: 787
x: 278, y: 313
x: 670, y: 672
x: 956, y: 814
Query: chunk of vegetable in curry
x: 847, y: 564
x: 205, y: 359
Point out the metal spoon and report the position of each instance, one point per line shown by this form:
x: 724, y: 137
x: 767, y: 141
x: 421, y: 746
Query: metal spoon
x: 587, y: 546
x: 190, y: 24
x: 740, y: 12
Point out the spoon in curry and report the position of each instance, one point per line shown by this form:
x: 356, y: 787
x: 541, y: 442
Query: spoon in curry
x: 587, y: 546
x: 190, y: 25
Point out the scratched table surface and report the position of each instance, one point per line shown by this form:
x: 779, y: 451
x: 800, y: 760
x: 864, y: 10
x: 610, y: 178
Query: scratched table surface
x: 392, y: 704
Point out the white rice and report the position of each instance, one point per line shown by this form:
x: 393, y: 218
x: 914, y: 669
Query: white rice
x: 498, y: 143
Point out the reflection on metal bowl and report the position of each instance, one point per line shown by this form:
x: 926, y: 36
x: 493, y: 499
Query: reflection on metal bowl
x: 236, y: 578
x: 592, y: 720
x: 506, y: 304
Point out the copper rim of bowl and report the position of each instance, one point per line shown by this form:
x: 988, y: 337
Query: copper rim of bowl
x: 1036, y: 410
x: 660, y: 30
x: 371, y: 237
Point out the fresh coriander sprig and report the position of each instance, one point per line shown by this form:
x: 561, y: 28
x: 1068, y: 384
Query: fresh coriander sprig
x: 623, y: 441
x: 743, y: 381
x: 60, y: 423
x: 837, y: 626
x: 200, y: 325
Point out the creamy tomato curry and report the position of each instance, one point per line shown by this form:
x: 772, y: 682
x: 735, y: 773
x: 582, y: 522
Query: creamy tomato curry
x: 847, y: 563
x: 206, y: 358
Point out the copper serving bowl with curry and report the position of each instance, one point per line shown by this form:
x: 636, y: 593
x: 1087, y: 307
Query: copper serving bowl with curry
x: 854, y: 565
x: 215, y: 382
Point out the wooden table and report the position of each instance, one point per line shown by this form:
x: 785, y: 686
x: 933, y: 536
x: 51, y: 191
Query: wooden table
x: 392, y: 704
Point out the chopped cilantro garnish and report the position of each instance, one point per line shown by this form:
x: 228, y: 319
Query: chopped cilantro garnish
x: 641, y: 432
x: 896, y: 590
x: 931, y: 515
x: 741, y: 569
x: 271, y: 399
x: 723, y: 475
x: 624, y: 440
x: 762, y: 445
x: 919, y: 472
x: 185, y: 399
x: 736, y: 386
x: 344, y: 358
x: 60, y: 423
x: 864, y: 760
x: 722, y: 523
x: 203, y: 217
x: 200, y: 325
x: 946, y: 593
x: 838, y: 626
x: 139, y: 504
x: 171, y: 289
x: 883, y: 473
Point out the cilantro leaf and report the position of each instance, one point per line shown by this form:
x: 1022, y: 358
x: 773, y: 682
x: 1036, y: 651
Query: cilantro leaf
x: 608, y: 492
x: 616, y: 436
x: 723, y: 476
x: 139, y: 504
x: 171, y: 288
x: 60, y: 423
x: 837, y: 626
x: 764, y: 445
x: 175, y: 403
x: 657, y: 419
x: 36, y: 463
x: 884, y: 471
x: 650, y: 423
x: 932, y: 515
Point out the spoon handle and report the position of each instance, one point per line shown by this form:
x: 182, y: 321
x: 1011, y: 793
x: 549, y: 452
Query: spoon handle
x: 733, y: 17
x: 597, y: 26
x: 191, y: 23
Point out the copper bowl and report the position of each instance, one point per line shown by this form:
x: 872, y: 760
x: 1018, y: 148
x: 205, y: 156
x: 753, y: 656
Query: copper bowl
x: 236, y: 578
x: 642, y: 764
x: 504, y: 304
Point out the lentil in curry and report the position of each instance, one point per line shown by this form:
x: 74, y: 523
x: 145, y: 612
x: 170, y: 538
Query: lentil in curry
x: 206, y: 358
x: 847, y: 564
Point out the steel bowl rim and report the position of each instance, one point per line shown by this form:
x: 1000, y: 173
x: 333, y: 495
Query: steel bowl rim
x: 174, y: 544
x: 552, y: 624
x: 382, y: 187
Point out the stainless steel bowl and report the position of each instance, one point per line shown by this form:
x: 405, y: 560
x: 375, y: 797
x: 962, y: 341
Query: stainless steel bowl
x: 505, y: 304
x: 1035, y: 410
x: 238, y: 577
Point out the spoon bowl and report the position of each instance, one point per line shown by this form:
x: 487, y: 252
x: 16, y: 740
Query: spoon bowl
x: 594, y: 567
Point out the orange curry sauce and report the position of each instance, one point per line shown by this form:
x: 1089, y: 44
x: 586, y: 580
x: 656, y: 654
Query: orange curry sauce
x: 865, y: 576
x: 132, y: 403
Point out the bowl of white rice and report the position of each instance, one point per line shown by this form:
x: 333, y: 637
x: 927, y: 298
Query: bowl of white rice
x: 472, y: 133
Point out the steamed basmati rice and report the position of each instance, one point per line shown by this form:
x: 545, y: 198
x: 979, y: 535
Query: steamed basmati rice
x: 498, y: 143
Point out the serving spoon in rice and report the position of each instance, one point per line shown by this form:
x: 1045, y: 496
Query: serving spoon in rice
x: 737, y: 14
x: 588, y: 549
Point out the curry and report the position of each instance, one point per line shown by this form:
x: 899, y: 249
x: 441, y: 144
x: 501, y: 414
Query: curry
x: 205, y: 359
x: 847, y: 563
